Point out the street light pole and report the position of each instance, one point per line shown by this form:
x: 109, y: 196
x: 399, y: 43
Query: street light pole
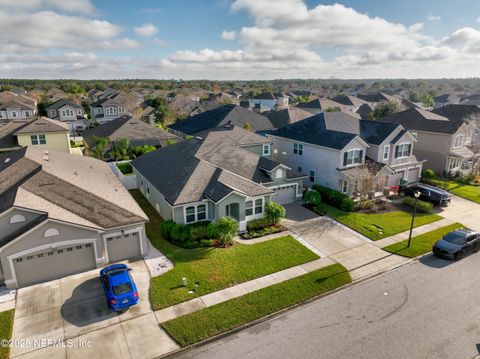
x: 416, y: 195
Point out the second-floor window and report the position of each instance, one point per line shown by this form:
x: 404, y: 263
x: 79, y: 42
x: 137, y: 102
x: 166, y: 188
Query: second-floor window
x: 298, y: 149
x: 111, y: 111
x: 14, y: 114
x: 67, y: 113
x: 352, y: 157
x: 121, y: 110
x: 458, y: 141
x: 403, y: 150
x: 266, y: 150
x: 312, y: 176
x: 386, y: 152
x: 38, y: 139
x: 3, y: 114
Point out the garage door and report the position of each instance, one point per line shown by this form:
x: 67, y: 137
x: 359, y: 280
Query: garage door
x: 413, y: 174
x: 54, y: 264
x: 123, y: 247
x: 284, y: 195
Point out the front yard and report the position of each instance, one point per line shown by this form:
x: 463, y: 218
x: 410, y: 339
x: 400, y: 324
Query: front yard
x: 470, y: 192
x: 422, y: 243
x: 6, y: 326
x: 212, y: 269
x: 219, y: 318
x: 381, y: 225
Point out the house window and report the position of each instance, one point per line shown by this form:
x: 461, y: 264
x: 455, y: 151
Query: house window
x: 386, y: 152
x: 279, y: 174
x: 42, y: 139
x: 201, y: 212
x: 190, y: 214
x: 352, y: 157
x: 295, y: 148
x: 2, y: 114
x: 403, y: 150
x: 298, y: 149
x: 248, y: 208
x: 458, y: 141
x: 121, y: 110
x: 344, y: 186
x: 312, y: 176
x: 266, y: 150
x: 299, y: 169
x: 79, y: 112
x: 258, y: 206
x: 14, y: 114
x: 34, y: 139
x: 67, y: 113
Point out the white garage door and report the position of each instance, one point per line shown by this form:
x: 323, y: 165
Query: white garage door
x: 284, y: 195
x: 124, y: 247
x: 54, y: 264
x: 413, y: 174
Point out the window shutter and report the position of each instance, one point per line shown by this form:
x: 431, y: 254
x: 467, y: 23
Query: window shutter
x: 361, y: 156
x: 345, y: 156
x: 409, y: 149
x: 397, y: 148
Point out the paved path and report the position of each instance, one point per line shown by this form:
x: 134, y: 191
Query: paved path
x: 416, y: 231
x: 428, y: 309
x: 220, y: 296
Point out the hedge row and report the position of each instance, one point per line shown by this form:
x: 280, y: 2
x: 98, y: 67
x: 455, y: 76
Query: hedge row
x: 200, y: 234
x: 335, y: 198
x: 421, y: 205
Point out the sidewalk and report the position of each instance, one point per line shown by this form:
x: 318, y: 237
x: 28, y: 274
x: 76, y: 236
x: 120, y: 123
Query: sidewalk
x: 223, y: 295
x: 416, y: 231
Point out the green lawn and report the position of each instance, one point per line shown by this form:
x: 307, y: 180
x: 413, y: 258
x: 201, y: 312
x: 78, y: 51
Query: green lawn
x: 466, y: 191
x: 378, y: 226
x: 210, y: 269
x: 6, y: 326
x: 422, y: 243
x: 219, y: 318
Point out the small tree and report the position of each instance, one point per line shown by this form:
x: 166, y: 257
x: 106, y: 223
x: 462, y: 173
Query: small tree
x: 224, y: 229
x: 386, y: 108
x: 313, y: 197
x: 100, y: 147
x: 120, y: 149
x: 247, y: 126
x: 333, y: 109
x: 428, y: 100
x: 274, y: 212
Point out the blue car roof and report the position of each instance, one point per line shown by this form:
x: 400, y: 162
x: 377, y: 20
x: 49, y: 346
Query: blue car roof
x: 120, y: 278
x: 112, y: 268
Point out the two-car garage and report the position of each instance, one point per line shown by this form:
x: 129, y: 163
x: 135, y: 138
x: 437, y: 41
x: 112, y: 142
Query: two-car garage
x: 284, y: 194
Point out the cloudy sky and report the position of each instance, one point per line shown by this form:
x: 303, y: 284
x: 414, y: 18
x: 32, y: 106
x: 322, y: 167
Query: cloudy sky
x: 239, y: 39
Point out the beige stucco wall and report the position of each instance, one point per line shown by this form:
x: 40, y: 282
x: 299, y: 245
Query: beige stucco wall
x: 56, y: 141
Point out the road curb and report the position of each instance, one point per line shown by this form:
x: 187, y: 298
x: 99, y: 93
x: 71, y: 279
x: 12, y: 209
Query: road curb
x: 280, y: 312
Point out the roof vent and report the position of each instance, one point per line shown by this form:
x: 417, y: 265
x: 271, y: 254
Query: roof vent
x: 75, y: 173
x: 45, y: 155
x: 198, y: 138
x: 7, y: 160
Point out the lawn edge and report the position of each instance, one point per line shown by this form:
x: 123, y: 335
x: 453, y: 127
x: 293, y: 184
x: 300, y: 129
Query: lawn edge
x: 271, y: 316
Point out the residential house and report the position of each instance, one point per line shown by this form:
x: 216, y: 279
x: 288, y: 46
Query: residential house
x: 109, y: 108
x: 55, y: 94
x: 224, y: 115
x: 68, y: 112
x: 340, y: 151
x: 269, y: 101
x: 364, y: 111
x: 470, y: 114
x: 138, y: 132
x: 62, y: 214
x: 352, y: 103
x: 227, y: 171
x: 41, y: 132
x: 446, y: 99
x: 287, y: 116
x: 320, y: 105
x: 14, y: 106
x: 441, y: 142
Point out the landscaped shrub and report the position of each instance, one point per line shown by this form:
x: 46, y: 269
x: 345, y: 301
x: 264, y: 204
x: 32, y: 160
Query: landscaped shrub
x: 421, y: 205
x: 274, y: 212
x: 180, y: 233
x: 258, y: 224
x: 125, y: 167
x: 428, y: 174
x: 166, y: 229
x: 335, y: 198
x: 313, y: 197
x: 225, y: 229
x: 434, y: 182
x: 260, y: 232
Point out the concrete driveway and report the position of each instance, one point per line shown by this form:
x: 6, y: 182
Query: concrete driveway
x: 355, y: 252
x: 463, y: 211
x: 72, y: 311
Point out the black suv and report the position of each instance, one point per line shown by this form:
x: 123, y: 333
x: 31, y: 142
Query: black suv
x: 427, y: 193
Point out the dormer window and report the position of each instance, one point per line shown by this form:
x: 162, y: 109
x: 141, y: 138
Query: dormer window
x: 352, y: 157
x: 266, y: 150
x: 403, y: 150
x: 458, y: 141
x: 278, y: 174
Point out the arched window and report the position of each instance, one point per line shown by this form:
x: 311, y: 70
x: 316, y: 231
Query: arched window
x: 50, y: 232
x: 17, y: 218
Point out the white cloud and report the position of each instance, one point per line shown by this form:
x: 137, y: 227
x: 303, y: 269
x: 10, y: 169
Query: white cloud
x: 466, y: 38
x: 477, y: 19
x: 72, y: 6
x: 434, y: 17
x: 229, y: 35
x: 146, y: 30
x: 160, y: 42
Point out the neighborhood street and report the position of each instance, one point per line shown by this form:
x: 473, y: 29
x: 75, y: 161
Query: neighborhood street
x: 428, y: 309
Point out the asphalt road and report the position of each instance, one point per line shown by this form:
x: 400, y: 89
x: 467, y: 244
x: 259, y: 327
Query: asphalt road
x: 429, y: 309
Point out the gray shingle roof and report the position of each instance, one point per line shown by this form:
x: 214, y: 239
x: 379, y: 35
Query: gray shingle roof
x: 224, y: 115
x: 264, y: 96
x: 287, y: 116
x: 458, y: 112
x: 138, y: 132
x: 42, y: 125
x: 63, y: 102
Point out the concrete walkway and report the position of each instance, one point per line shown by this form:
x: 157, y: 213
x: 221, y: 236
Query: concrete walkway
x: 220, y: 296
x: 416, y: 231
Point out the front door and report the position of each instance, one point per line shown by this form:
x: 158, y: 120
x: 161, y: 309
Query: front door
x: 233, y: 210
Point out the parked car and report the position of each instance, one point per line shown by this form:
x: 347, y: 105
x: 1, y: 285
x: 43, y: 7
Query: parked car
x: 456, y: 244
x: 427, y: 193
x: 119, y: 287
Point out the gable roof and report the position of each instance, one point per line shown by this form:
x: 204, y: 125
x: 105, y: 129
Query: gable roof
x: 377, y: 97
x: 14, y: 103
x: 446, y: 98
x: 458, y: 112
x: 63, y: 102
x: 349, y: 100
x: 138, y: 132
x: 223, y: 115
x: 319, y: 104
x: 416, y: 119
x: 42, y: 125
x: 364, y: 110
x: 212, y: 167
x: 79, y: 190
x: 264, y: 96
x: 287, y: 116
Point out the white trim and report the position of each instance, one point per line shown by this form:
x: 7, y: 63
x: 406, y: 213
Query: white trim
x: 297, y: 194
x: 195, y: 213
x: 402, y: 144
x: 353, y: 164
x: 128, y: 231
x: 11, y: 257
x: 388, y: 155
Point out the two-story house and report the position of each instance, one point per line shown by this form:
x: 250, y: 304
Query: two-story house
x: 68, y: 112
x: 227, y: 171
x: 470, y: 115
x: 269, y: 101
x: 14, y: 106
x: 440, y: 141
x: 108, y: 109
x: 339, y: 151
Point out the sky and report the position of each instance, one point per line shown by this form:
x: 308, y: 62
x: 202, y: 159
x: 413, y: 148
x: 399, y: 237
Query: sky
x: 239, y: 39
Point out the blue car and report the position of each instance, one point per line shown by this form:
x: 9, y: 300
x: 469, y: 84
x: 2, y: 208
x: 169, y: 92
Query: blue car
x: 119, y: 287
